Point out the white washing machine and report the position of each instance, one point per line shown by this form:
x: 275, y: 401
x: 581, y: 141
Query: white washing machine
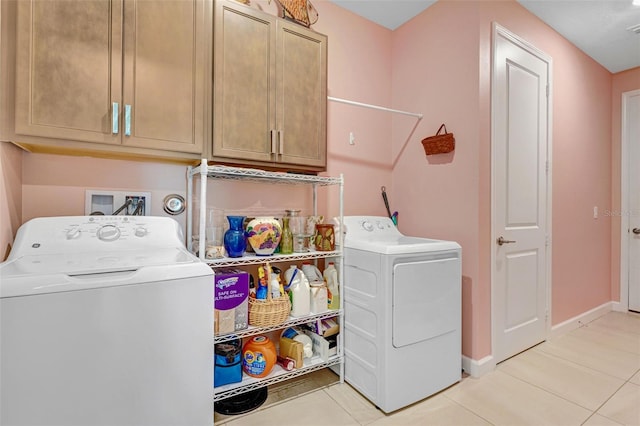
x: 105, y: 320
x: 402, y: 331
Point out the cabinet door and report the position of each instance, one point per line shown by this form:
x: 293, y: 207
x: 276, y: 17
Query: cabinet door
x: 302, y: 96
x: 68, y: 68
x: 164, y: 74
x: 244, y: 83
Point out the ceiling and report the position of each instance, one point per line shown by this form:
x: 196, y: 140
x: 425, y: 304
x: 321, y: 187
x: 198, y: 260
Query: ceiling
x: 600, y: 28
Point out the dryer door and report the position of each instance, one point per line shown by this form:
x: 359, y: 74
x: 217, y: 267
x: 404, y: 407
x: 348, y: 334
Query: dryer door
x: 426, y: 299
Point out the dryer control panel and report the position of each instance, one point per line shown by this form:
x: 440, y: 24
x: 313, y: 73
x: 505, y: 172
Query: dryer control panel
x: 379, y: 234
x: 377, y: 227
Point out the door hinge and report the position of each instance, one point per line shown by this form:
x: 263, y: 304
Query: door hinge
x: 546, y: 241
x: 547, y: 89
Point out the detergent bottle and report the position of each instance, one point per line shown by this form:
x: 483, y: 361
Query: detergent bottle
x: 333, y: 293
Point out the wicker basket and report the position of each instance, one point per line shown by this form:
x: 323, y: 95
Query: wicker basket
x: 439, y: 144
x: 272, y: 311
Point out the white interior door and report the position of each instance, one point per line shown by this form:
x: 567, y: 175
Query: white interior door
x: 631, y: 137
x: 520, y: 144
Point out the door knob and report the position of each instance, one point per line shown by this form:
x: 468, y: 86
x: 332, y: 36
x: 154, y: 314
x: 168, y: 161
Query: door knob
x: 502, y: 241
x: 636, y: 231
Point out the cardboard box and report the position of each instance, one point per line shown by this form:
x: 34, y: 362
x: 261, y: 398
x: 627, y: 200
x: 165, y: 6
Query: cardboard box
x: 231, y: 303
x: 324, y: 347
x: 326, y: 327
x: 292, y: 349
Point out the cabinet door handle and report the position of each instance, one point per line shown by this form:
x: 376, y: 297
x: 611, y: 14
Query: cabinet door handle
x: 280, y: 142
x: 114, y: 118
x: 273, y: 142
x: 127, y: 120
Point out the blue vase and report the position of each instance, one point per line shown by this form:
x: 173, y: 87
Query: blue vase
x: 234, y: 239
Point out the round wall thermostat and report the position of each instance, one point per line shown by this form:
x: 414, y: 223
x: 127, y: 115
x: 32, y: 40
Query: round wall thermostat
x: 173, y: 204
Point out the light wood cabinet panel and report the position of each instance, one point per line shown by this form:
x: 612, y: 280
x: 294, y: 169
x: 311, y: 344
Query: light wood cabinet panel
x: 68, y: 69
x: 244, y: 83
x: 270, y: 90
x: 128, y: 73
x: 302, y: 96
x: 164, y: 74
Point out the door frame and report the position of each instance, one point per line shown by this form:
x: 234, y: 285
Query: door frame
x: 624, y: 202
x: 501, y: 31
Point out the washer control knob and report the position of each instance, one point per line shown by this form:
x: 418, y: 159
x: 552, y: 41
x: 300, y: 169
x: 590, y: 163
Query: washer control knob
x: 380, y: 225
x: 108, y: 233
x: 367, y: 226
x: 141, y: 232
x: 73, y: 233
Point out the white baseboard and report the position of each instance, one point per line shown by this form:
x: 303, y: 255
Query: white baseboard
x: 580, y: 320
x: 477, y: 368
x: 618, y: 307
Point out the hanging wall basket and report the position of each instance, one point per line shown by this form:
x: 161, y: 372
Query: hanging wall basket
x: 300, y: 11
x: 439, y: 143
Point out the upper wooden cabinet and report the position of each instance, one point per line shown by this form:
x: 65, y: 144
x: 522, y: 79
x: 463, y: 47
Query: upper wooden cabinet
x: 125, y: 73
x: 270, y: 90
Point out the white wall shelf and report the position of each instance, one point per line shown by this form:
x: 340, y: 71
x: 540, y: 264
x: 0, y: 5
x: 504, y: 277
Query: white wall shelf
x: 252, y: 331
x: 277, y: 375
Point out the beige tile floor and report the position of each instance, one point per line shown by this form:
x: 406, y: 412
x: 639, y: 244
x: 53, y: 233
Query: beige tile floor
x: 589, y: 376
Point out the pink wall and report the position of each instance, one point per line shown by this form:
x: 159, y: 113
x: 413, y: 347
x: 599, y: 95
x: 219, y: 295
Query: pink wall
x: 442, y: 68
x: 437, y: 64
x: 622, y: 82
x: 436, y: 72
x: 360, y: 68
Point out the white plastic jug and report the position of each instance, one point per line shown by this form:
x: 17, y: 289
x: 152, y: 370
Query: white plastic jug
x: 333, y: 288
x: 311, y: 271
x: 299, y: 292
x: 319, y: 297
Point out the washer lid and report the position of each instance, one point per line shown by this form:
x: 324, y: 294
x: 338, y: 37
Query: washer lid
x: 379, y: 235
x: 51, y: 273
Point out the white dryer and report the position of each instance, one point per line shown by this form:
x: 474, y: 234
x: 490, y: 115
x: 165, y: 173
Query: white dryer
x: 105, y: 320
x: 402, y: 331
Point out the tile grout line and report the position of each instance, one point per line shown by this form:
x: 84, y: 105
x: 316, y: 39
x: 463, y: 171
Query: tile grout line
x: 583, y: 365
x: 548, y: 391
x: 468, y: 409
x: 607, y: 400
x: 336, y: 402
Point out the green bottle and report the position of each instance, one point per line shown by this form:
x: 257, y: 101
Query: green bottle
x: 286, y: 243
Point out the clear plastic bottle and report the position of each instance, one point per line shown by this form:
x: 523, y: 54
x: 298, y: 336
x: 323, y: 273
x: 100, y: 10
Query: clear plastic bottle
x: 299, y: 292
x: 333, y: 289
